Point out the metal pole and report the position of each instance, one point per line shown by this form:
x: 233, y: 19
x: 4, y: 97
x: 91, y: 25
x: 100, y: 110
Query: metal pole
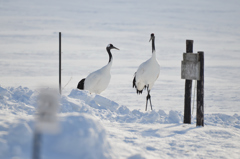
x: 200, y: 92
x: 188, y: 89
x: 60, y: 87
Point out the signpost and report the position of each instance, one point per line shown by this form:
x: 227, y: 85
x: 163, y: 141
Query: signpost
x: 192, y: 68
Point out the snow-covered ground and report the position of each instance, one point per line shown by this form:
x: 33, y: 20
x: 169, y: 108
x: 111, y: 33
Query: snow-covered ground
x: 114, y: 124
x: 93, y: 126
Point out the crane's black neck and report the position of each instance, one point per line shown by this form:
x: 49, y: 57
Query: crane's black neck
x: 153, y: 44
x: 110, y: 54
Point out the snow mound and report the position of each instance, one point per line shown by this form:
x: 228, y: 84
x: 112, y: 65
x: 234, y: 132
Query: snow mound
x: 105, y: 109
x: 223, y: 119
x: 95, y: 101
x: 81, y: 134
x: 110, y: 110
x: 17, y: 100
x: 19, y: 94
x: 22, y: 100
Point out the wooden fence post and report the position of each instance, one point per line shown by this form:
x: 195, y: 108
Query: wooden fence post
x: 60, y: 87
x: 188, y: 89
x: 200, y: 92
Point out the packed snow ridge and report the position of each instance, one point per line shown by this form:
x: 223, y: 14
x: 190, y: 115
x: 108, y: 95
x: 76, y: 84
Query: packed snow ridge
x: 23, y: 100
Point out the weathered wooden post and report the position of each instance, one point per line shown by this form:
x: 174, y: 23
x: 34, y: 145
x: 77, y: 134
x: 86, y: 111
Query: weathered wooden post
x: 60, y: 87
x: 188, y: 89
x: 200, y: 91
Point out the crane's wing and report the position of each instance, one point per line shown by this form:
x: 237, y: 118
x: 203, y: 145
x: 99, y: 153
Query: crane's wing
x: 158, y: 75
x: 92, y: 80
x: 141, y: 69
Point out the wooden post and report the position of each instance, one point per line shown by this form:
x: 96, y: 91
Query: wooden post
x: 188, y: 89
x: 46, y: 120
x: 36, y: 145
x: 200, y: 92
x: 60, y: 87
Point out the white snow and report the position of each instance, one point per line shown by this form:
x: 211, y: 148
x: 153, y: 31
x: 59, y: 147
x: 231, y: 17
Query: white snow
x: 93, y: 126
x: 114, y: 123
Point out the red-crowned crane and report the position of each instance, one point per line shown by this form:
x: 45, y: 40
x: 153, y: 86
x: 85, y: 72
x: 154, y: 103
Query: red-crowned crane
x: 97, y: 81
x: 147, y: 74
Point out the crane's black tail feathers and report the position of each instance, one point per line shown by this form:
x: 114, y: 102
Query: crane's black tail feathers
x: 139, y: 92
x: 134, y: 84
x: 134, y: 81
x: 81, y: 84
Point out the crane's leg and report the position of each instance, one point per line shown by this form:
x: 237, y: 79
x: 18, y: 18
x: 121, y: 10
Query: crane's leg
x: 148, y: 98
x: 146, y: 103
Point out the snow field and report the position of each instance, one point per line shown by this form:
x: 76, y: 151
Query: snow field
x: 92, y: 122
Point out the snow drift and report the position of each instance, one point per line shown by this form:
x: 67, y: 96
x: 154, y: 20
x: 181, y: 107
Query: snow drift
x: 22, y: 100
x: 82, y: 134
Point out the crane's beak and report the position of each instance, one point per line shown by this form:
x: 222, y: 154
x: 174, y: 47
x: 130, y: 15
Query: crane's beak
x: 115, y: 48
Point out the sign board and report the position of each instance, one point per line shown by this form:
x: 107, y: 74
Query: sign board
x: 190, y: 66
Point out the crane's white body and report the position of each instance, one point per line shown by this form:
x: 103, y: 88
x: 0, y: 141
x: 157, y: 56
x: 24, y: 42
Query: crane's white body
x: 97, y: 81
x: 147, y: 73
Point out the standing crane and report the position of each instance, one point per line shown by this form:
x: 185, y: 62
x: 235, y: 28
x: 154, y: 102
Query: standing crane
x: 147, y: 74
x: 97, y: 81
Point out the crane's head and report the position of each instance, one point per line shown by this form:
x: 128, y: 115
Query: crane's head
x: 151, y: 37
x: 110, y: 46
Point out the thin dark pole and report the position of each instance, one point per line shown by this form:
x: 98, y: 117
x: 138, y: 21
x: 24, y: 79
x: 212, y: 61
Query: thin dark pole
x: 60, y: 87
x: 188, y: 89
x: 36, y: 145
x: 200, y: 92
